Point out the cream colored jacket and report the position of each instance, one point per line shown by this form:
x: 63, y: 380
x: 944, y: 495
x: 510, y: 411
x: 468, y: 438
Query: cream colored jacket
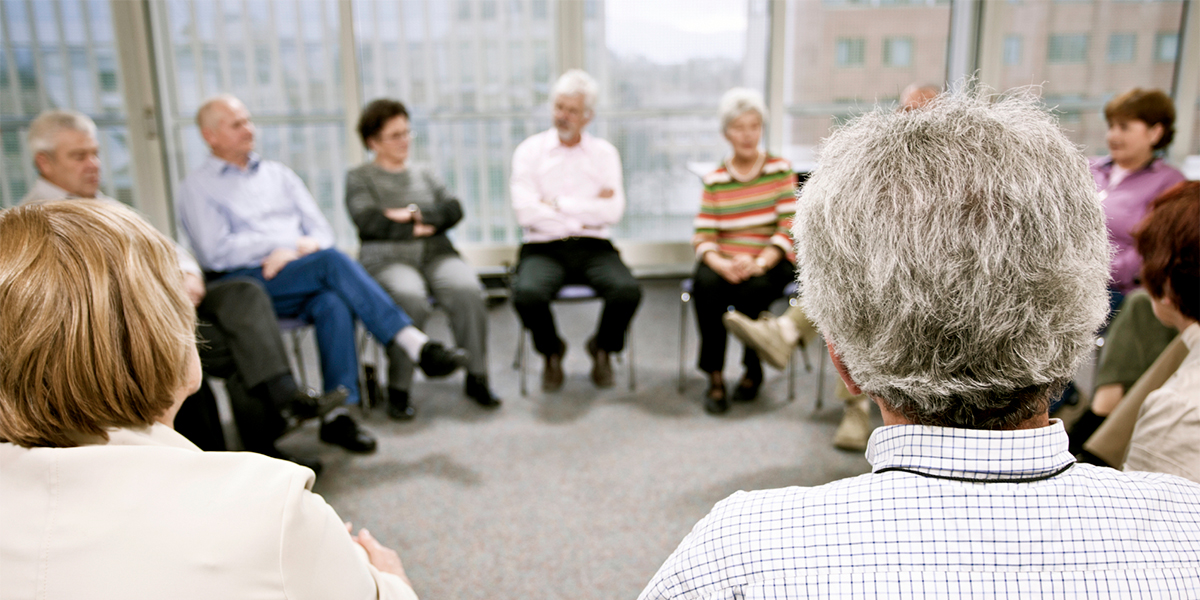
x: 148, y: 515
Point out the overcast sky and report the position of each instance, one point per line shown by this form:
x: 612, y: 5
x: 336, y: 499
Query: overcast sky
x: 672, y: 31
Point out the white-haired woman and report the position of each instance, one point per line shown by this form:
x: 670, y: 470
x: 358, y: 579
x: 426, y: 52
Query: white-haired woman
x: 743, y: 242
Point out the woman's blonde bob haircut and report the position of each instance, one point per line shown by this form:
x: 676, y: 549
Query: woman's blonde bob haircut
x: 95, y: 330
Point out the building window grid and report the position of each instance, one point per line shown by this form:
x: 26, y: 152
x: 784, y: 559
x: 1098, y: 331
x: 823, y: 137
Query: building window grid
x: 1067, y: 48
x: 1166, y: 47
x: 898, y: 51
x: 1121, y: 48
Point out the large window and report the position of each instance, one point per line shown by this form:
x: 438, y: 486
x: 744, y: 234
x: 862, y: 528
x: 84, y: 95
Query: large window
x: 663, y: 67
x: 60, y: 54
x: 475, y: 76
x: 282, y: 60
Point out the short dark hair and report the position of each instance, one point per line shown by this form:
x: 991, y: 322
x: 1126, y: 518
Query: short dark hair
x: 376, y: 115
x: 1152, y: 107
x: 1169, y: 241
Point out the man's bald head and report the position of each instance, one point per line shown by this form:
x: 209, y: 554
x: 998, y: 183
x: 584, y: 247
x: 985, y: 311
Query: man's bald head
x: 210, y: 113
x: 916, y: 96
x: 226, y: 127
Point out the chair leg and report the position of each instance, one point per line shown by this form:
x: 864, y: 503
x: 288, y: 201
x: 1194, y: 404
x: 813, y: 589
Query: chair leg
x: 522, y: 361
x: 683, y: 304
x: 632, y: 361
x: 791, y: 375
x: 297, y: 349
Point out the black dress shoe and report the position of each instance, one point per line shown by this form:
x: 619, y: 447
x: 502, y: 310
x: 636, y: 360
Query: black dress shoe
x: 398, y: 407
x: 478, y: 390
x: 307, y: 404
x: 715, y: 401
x: 440, y: 361
x: 345, y: 432
x: 747, y: 389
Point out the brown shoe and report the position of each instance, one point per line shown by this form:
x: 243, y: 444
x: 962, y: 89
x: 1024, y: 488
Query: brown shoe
x: 602, y: 373
x: 552, y: 373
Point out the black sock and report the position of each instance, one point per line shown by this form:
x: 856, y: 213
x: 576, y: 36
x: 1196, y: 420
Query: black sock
x: 279, y: 390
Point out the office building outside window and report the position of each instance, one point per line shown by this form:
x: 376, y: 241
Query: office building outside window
x: 1166, y: 47
x: 897, y: 51
x: 1077, y: 77
x: 1012, y: 50
x: 1121, y: 48
x: 851, y: 52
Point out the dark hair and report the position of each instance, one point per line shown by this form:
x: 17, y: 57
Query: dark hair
x: 376, y: 115
x: 1151, y: 107
x: 1169, y: 241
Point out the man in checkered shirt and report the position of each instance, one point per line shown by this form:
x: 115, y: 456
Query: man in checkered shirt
x: 955, y: 258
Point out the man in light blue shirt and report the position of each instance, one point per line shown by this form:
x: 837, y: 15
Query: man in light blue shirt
x: 250, y: 217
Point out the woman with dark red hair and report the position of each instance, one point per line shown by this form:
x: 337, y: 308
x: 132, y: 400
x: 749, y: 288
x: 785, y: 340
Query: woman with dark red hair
x: 1166, y: 438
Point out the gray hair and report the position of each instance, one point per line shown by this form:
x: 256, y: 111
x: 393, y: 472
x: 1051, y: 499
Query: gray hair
x: 956, y: 257
x: 576, y: 81
x: 43, y: 131
x: 204, y: 115
x: 739, y: 101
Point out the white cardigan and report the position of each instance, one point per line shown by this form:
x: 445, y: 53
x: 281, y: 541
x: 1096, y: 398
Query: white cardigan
x: 148, y: 515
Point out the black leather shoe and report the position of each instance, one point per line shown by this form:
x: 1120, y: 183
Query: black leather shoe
x: 440, y: 361
x: 477, y: 389
x: 746, y: 390
x: 345, y: 432
x: 307, y: 404
x: 715, y: 401
x: 398, y: 407
x: 602, y: 372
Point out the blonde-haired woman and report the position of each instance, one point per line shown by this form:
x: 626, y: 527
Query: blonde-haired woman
x: 99, y: 496
x: 743, y: 242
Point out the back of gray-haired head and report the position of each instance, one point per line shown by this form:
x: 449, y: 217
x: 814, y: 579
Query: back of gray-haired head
x: 576, y: 81
x: 43, y: 131
x: 956, y: 257
x: 739, y: 101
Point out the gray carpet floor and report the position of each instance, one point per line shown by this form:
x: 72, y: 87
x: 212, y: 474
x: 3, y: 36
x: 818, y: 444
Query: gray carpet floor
x: 579, y: 494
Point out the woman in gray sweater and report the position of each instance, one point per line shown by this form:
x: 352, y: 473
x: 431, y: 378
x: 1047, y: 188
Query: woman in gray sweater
x: 402, y: 214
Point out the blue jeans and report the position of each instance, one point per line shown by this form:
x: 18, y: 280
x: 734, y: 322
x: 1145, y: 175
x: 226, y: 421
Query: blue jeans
x: 329, y: 290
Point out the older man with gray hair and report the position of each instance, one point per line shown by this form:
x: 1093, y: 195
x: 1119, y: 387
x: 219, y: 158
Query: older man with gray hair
x: 566, y: 192
x: 955, y: 259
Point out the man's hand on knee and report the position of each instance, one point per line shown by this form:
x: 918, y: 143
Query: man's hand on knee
x: 277, y: 260
x: 306, y: 245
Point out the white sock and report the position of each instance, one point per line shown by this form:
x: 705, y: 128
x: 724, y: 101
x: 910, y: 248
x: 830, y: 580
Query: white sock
x: 411, y: 340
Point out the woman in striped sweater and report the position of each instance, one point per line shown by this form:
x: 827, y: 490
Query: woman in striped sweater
x: 743, y: 242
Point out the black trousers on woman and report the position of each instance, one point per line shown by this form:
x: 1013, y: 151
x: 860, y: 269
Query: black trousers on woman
x: 713, y: 296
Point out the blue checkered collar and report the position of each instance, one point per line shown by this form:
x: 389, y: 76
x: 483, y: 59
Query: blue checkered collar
x: 971, y: 454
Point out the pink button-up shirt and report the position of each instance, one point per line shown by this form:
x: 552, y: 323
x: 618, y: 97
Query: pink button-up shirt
x: 556, y: 188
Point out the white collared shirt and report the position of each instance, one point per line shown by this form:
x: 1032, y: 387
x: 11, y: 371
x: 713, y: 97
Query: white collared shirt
x: 950, y: 513
x: 556, y: 188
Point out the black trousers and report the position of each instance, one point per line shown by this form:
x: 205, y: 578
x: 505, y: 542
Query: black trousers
x: 713, y: 296
x: 240, y: 343
x: 546, y: 267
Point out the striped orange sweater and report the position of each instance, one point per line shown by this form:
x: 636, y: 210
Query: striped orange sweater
x: 745, y: 218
